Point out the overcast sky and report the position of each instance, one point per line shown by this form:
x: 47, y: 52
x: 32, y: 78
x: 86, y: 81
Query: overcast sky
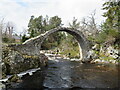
x: 20, y: 11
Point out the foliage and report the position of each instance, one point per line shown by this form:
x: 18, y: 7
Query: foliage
x: 112, y: 23
x: 112, y: 13
x: 5, y: 39
x: 7, y: 31
x: 8, y: 40
x: 110, y: 28
x: 55, y: 22
x: 74, y: 24
x: 40, y: 25
x: 24, y: 38
x: 69, y: 45
x: 104, y: 57
x: 88, y: 25
x: 53, y: 40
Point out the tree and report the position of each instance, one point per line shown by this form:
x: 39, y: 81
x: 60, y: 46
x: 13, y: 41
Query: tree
x: 24, y: 38
x: 1, y: 25
x: 40, y: 25
x: 110, y: 28
x: 112, y: 23
x: 8, y: 29
x: 35, y: 25
x: 32, y: 34
x: 74, y: 24
x: 89, y: 26
x: 55, y: 22
x: 112, y: 13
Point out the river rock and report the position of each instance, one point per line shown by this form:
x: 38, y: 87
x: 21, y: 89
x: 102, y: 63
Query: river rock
x: 2, y: 86
x: 14, y: 62
x: 104, y: 54
x: 97, y: 61
x: 14, y: 78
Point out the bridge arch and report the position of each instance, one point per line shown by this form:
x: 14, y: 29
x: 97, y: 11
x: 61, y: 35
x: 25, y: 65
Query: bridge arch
x: 82, y: 41
x: 33, y: 45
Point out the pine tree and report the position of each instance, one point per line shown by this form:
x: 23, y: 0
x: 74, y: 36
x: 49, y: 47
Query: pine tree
x: 112, y: 23
x: 74, y: 24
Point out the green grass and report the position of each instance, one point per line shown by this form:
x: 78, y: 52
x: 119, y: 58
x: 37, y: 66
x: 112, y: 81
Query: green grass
x: 104, y: 57
x: 74, y: 52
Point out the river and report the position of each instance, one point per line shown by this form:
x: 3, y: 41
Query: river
x: 66, y: 74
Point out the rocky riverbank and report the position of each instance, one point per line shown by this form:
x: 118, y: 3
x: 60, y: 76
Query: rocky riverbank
x: 98, y: 54
x: 14, y: 62
x: 104, y: 54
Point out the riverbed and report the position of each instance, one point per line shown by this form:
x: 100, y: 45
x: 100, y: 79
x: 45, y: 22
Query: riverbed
x: 66, y: 74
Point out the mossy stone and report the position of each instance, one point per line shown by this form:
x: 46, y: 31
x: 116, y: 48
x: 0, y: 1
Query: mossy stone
x: 14, y: 78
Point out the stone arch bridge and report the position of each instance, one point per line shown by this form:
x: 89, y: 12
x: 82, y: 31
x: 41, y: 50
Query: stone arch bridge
x: 33, y: 46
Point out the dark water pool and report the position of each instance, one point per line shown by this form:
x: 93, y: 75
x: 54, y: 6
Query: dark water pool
x: 65, y: 74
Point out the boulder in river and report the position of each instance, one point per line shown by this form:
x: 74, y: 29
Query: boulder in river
x: 14, y: 62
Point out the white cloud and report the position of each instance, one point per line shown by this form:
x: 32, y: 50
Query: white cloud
x: 19, y: 11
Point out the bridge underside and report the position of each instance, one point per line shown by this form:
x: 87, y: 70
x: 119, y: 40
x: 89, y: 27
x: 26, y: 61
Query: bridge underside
x: 33, y: 45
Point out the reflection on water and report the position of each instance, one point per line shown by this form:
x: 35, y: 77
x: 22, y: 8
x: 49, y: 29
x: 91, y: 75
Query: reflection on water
x: 69, y: 74
x: 62, y: 73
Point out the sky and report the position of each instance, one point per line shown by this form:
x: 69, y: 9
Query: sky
x: 20, y: 11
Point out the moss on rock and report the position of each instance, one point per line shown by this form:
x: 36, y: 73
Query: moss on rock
x: 15, y: 62
x: 14, y: 78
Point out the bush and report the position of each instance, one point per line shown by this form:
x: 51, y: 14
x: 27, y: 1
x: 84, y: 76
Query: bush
x: 8, y: 40
x: 5, y: 39
x: 24, y: 38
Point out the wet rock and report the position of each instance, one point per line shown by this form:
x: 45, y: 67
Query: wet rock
x: 14, y: 78
x: 103, y: 54
x: 97, y: 60
x: 4, y: 76
x: 2, y: 86
x: 15, y: 62
x: 96, y: 47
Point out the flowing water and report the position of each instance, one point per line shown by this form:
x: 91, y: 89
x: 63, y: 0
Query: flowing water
x: 66, y: 74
